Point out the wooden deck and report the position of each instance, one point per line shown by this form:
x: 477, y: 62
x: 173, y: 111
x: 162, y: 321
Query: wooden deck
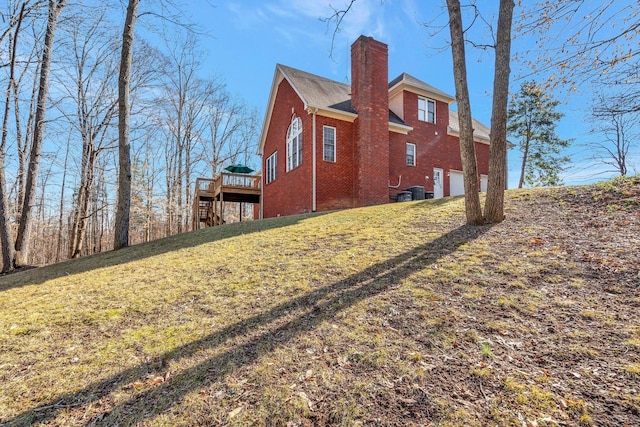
x: 212, y: 193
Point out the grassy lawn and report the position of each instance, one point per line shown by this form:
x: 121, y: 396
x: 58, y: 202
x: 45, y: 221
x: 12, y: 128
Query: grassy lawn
x: 387, y: 315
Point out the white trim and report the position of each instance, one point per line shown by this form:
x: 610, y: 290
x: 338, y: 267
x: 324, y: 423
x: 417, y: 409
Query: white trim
x: 398, y: 128
x: 294, y: 143
x: 273, y: 159
x: 427, y: 101
x: 415, y: 160
x: 313, y: 165
x: 404, y: 86
x: 438, y: 180
x: 335, y: 143
x: 476, y: 138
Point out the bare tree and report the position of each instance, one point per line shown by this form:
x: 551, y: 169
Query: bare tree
x: 581, y: 41
x: 467, y: 147
x: 226, y: 118
x: 121, y: 235
x: 92, y: 89
x: 494, y: 203
x: 185, y: 98
x: 619, y: 133
x: 24, y: 229
x: 5, y: 231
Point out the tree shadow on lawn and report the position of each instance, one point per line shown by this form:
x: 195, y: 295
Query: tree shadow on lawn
x: 38, y: 275
x: 279, y: 326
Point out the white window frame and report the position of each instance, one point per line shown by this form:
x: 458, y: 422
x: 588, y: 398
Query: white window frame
x: 413, y: 155
x: 271, y: 167
x: 330, y: 144
x: 294, y: 143
x: 426, y: 110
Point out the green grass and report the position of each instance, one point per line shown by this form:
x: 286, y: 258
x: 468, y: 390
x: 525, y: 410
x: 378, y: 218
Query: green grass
x: 342, y: 318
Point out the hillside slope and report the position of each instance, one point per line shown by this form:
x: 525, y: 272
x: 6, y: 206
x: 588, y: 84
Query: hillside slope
x: 388, y: 315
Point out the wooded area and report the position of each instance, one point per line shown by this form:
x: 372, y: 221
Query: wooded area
x: 59, y: 166
x: 103, y: 133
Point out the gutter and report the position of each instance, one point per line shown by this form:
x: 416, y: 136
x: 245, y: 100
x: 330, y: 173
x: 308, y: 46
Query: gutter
x: 314, y: 111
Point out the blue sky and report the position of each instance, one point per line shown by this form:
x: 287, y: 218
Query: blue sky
x: 248, y: 38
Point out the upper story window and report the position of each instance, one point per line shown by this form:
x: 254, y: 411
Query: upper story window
x: 272, y: 164
x: 294, y: 143
x: 329, y: 143
x: 426, y: 110
x: 411, y: 154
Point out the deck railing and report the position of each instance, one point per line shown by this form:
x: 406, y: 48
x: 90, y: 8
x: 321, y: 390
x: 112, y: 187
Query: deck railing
x: 227, y: 180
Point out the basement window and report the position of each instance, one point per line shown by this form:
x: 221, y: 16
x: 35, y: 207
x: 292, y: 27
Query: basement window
x: 294, y: 143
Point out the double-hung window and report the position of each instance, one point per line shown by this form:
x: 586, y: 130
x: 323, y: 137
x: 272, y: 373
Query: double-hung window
x: 411, y: 154
x: 272, y: 164
x: 294, y: 143
x: 426, y: 110
x: 329, y: 143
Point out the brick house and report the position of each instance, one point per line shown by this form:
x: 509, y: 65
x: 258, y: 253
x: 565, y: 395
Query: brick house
x: 327, y: 145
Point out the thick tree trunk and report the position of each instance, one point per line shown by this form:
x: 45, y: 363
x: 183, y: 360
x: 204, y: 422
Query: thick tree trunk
x: 24, y: 230
x: 494, y: 204
x: 23, y: 143
x: 121, y: 235
x: 467, y: 147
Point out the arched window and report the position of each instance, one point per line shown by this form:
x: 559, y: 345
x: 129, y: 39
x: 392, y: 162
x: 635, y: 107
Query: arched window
x: 294, y: 143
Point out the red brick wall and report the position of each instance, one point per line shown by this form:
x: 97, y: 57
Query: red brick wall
x: 290, y: 193
x: 335, y: 186
x: 370, y: 98
x: 434, y: 149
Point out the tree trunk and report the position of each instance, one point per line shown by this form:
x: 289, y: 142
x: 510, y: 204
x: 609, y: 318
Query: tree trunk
x: 24, y: 229
x: 23, y: 143
x: 494, y: 204
x: 121, y: 235
x: 523, y: 166
x: 5, y: 232
x: 61, y: 207
x: 467, y: 147
x: 79, y: 229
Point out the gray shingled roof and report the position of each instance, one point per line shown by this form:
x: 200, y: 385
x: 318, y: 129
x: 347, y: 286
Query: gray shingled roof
x: 419, y: 84
x: 321, y: 92
x: 318, y: 91
x: 479, y: 130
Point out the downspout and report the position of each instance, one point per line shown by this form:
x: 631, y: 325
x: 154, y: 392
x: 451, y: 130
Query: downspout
x: 313, y: 166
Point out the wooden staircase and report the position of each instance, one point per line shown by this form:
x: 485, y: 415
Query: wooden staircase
x: 212, y: 194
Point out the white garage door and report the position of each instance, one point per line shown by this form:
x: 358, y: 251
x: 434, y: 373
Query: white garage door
x: 484, y: 182
x: 456, y: 183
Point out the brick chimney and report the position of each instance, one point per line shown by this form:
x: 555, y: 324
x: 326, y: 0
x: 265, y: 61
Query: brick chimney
x: 370, y: 99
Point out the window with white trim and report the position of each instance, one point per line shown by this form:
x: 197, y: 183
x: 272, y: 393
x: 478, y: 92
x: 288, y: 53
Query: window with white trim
x: 426, y: 110
x: 272, y: 164
x: 294, y: 143
x: 411, y: 154
x: 329, y: 143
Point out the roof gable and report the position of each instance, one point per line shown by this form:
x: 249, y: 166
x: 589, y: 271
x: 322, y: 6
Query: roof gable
x: 411, y: 84
x: 319, y: 92
x: 481, y: 133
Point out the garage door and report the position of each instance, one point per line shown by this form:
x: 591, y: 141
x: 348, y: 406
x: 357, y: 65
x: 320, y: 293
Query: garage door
x: 456, y: 183
x: 484, y: 183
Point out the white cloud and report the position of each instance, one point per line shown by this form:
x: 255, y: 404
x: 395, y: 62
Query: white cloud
x: 245, y: 17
